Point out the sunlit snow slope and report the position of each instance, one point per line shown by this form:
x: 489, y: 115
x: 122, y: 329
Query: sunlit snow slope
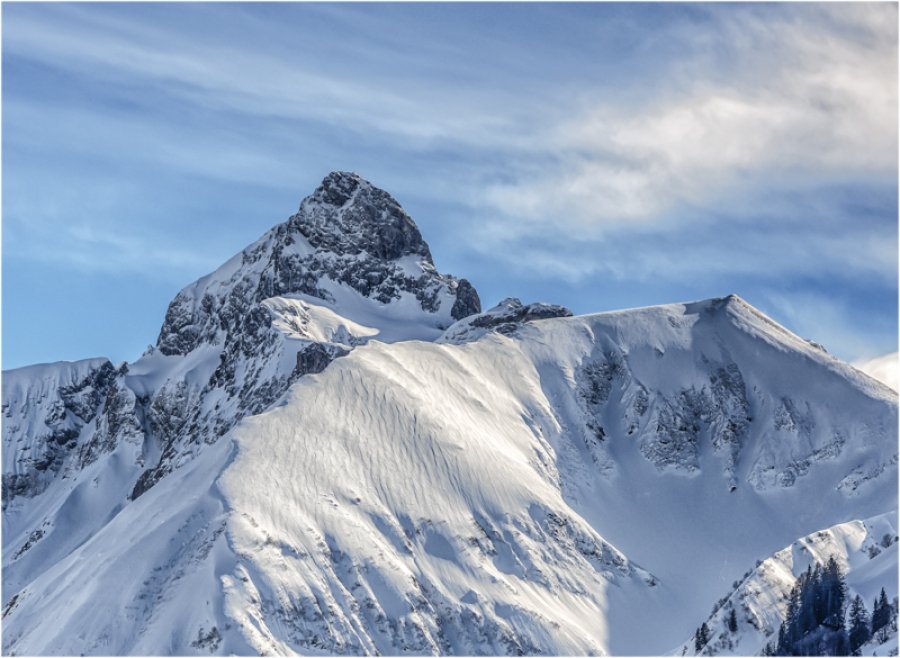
x: 498, y: 437
x: 525, y: 483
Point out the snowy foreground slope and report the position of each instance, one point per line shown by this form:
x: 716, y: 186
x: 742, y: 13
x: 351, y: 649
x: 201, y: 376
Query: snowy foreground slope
x: 332, y: 450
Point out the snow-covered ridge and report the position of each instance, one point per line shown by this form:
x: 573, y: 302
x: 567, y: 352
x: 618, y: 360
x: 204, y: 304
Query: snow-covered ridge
x: 321, y: 456
x: 350, y: 250
x: 57, y: 417
x: 348, y: 266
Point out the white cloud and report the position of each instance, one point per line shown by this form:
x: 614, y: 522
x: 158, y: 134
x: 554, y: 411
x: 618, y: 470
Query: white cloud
x: 812, y: 98
x: 213, y: 74
x: 829, y: 321
x: 764, y: 100
x: 885, y: 368
x: 94, y: 248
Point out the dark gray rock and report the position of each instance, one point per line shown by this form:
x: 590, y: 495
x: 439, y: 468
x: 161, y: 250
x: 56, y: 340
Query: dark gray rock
x: 315, y: 358
x: 70, y: 408
x: 504, y: 318
x: 512, y: 310
x: 348, y: 215
x: 467, y: 301
x: 358, y: 232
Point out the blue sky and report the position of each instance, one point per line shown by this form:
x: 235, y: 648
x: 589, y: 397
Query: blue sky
x: 598, y: 156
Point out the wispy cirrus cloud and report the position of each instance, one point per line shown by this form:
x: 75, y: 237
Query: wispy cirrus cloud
x: 94, y: 249
x: 808, y: 99
x: 285, y: 83
x: 613, y: 154
x: 827, y: 319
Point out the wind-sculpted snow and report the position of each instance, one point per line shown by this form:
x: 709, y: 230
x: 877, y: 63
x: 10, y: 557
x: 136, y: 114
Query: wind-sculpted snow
x: 414, y: 517
x: 316, y: 458
x: 494, y: 496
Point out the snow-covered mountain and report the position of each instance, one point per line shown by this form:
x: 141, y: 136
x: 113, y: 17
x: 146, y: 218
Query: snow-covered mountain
x: 234, y: 341
x: 331, y: 449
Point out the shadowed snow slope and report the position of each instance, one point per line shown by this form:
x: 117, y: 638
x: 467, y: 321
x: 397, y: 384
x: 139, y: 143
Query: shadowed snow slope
x: 317, y: 459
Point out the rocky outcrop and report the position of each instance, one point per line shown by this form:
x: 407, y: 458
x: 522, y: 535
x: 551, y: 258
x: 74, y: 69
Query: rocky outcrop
x: 467, y: 302
x: 348, y: 233
x: 347, y: 215
x: 512, y: 310
x: 503, y: 318
x: 60, y: 417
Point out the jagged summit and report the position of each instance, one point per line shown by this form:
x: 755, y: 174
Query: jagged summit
x: 349, y: 266
x: 348, y: 215
x: 348, y: 235
x: 338, y: 186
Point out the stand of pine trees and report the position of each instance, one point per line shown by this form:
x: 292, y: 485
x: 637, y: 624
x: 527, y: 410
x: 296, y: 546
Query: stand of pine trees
x: 815, y: 625
x: 882, y: 612
x: 815, y: 618
x: 701, y: 638
x: 859, y: 630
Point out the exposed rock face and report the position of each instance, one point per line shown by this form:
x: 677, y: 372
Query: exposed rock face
x: 346, y: 215
x: 346, y: 232
x: 504, y: 318
x: 61, y: 417
x: 467, y: 302
x: 512, y: 310
x: 315, y: 358
x: 244, y: 336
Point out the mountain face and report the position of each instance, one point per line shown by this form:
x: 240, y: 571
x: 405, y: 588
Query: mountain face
x: 235, y: 340
x: 332, y: 449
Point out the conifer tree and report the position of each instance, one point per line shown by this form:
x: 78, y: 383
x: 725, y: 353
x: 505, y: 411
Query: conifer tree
x: 783, y: 646
x: 859, y: 625
x: 814, y: 623
x: 840, y: 646
x: 732, y: 621
x: 834, y: 590
x: 701, y: 637
x: 881, y: 614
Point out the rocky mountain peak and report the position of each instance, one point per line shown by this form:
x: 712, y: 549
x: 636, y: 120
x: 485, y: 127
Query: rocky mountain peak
x: 348, y: 215
x: 350, y: 260
x: 346, y: 234
x: 339, y: 186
